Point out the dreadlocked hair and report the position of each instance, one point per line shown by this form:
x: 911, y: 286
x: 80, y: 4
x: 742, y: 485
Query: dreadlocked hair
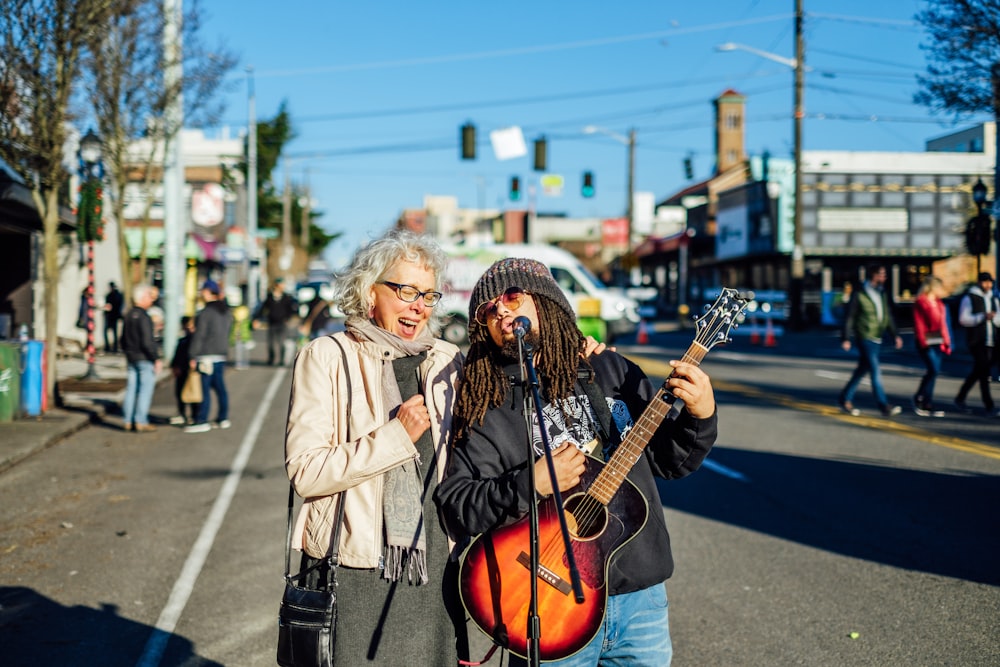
x: 485, y: 384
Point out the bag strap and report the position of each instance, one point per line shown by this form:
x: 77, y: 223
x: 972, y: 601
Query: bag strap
x: 334, y: 558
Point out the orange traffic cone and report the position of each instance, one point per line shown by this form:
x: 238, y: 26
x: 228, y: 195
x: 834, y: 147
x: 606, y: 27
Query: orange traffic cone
x: 754, y: 333
x: 769, y: 338
x: 642, y: 337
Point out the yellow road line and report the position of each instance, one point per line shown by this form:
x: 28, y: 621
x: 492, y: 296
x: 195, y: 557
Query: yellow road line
x: 662, y: 369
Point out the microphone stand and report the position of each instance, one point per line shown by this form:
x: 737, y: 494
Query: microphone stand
x: 534, y: 622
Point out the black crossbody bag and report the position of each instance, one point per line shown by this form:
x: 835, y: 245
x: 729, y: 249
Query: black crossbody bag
x: 307, y: 618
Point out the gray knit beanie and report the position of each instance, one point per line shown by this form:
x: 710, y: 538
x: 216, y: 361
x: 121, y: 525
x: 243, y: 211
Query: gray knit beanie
x: 530, y: 275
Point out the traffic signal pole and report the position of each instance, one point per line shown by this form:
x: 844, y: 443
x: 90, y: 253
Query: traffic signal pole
x: 996, y: 167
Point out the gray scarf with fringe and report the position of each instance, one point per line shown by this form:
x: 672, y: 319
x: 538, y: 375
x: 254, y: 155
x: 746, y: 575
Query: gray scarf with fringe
x: 405, y: 545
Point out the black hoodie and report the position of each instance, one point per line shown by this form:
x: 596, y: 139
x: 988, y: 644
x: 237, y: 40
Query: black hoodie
x: 488, y: 483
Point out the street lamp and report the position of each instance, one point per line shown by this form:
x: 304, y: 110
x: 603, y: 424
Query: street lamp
x: 798, y: 65
x: 628, y: 141
x: 89, y: 227
x: 733, y: 46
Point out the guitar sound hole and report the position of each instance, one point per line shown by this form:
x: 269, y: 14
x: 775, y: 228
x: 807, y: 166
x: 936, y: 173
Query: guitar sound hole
x: 585, y: 516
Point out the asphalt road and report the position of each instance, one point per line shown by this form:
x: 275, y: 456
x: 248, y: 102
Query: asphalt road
x: 810, y: 537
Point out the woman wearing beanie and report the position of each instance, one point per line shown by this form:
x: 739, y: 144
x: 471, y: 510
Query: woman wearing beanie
x: 587, y: 405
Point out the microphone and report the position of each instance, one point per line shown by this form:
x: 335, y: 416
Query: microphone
x: 522, y: 325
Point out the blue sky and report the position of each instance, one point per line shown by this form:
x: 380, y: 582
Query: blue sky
x: 378, y: 90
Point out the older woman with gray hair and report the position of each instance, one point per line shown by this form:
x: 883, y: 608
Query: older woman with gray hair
x: 369, y: 423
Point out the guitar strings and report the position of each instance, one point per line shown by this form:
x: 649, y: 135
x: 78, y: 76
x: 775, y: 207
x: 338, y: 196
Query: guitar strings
x: 591, y: 508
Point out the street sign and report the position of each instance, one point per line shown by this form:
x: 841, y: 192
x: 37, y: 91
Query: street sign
x: 231, y: 255
x: 552, y: 185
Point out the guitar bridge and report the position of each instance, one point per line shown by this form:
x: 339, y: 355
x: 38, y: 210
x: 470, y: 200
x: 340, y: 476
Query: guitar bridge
x: 546, y: 575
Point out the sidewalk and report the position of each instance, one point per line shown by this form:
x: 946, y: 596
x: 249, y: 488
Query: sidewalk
x: 78, y: 404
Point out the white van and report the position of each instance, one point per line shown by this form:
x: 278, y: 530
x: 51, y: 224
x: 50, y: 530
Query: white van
x: 588, y: 295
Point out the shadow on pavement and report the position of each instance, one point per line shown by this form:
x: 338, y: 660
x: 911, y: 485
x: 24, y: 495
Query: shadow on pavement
x: 36, y: 631
x: 911, y: 519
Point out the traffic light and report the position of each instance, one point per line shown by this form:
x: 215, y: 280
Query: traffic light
x: 468, y: 138
x: 540, y: 153
x: 587, y: 190
x: 977, y: 235
x: 515, y: 188
x: 688, y: 168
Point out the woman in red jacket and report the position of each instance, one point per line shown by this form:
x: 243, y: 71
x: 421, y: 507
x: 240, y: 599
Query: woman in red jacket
x: 930, y: 329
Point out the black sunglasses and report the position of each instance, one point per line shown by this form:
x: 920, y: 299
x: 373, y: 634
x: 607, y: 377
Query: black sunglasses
x: 409, y: 294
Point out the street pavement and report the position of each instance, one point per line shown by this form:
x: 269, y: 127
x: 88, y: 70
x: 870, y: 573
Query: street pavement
x: 81, y: 403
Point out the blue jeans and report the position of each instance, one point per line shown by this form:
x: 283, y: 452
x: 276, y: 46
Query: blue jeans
x: 216, y: 382
x: 635, y: 632
x: 868, y: 351
x: 931, y: 357
x: 140, y: 382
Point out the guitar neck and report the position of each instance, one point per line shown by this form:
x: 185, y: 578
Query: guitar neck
x: 628, y: 452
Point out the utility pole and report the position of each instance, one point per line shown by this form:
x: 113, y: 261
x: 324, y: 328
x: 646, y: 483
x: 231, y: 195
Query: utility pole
x: 253, y: 273
x: 305, y: 203
x: 174, y: 217
x: 630, y: 204
x: 287, y: 251
x: 798, y: 253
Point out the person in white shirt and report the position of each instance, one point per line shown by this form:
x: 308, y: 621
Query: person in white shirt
x: 979, y: 315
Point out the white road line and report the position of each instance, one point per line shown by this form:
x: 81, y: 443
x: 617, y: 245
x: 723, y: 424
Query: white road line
x: 723, y: 470
x: 157, y: 642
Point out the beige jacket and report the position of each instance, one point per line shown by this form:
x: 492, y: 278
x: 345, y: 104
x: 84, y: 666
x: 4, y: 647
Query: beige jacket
x: 337, y: 439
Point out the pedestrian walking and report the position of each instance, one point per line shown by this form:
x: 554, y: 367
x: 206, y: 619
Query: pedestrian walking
x: 869, y: 320
x: 979, y: 315
x: 114, y: 303
x: 209, y: 352
x: 142, y: 358
x: 319, y: 321
x: 241, y: 337
x: 180, y: 366
x: 932, y: 337
x: 277, y: 309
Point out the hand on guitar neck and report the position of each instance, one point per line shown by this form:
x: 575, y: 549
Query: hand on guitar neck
x: 690, y: 384
x: 569, y: 464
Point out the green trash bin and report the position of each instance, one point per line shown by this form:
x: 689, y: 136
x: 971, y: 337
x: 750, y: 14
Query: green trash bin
x: 10, y: 380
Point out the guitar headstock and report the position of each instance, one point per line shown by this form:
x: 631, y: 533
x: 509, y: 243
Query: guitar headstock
x: 721, y: 317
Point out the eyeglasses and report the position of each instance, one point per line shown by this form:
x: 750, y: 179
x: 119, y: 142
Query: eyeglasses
x: 409, y: 294
x: 512, y: 299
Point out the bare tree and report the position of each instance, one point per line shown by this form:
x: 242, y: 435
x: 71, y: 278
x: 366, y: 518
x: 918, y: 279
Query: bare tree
x: 41, y: 44
x: 963, y: 56
x: 130, y: 96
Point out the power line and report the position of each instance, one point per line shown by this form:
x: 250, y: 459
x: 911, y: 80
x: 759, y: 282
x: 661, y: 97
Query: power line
x: 503, y: 53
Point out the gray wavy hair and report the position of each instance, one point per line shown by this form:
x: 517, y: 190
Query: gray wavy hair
x: 372, y: 262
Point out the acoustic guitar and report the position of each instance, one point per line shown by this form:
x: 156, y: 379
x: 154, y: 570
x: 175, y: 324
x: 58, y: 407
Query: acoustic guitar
x: 603, y: 512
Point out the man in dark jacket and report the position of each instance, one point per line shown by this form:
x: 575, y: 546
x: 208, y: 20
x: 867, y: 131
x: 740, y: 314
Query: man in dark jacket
x: 143, y: 362
x: 276, y: 310
x: 587, y: 405
x: 209, y: 350
x: 979, y: 315
x: 869, y: 320
x: 114, y: 302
